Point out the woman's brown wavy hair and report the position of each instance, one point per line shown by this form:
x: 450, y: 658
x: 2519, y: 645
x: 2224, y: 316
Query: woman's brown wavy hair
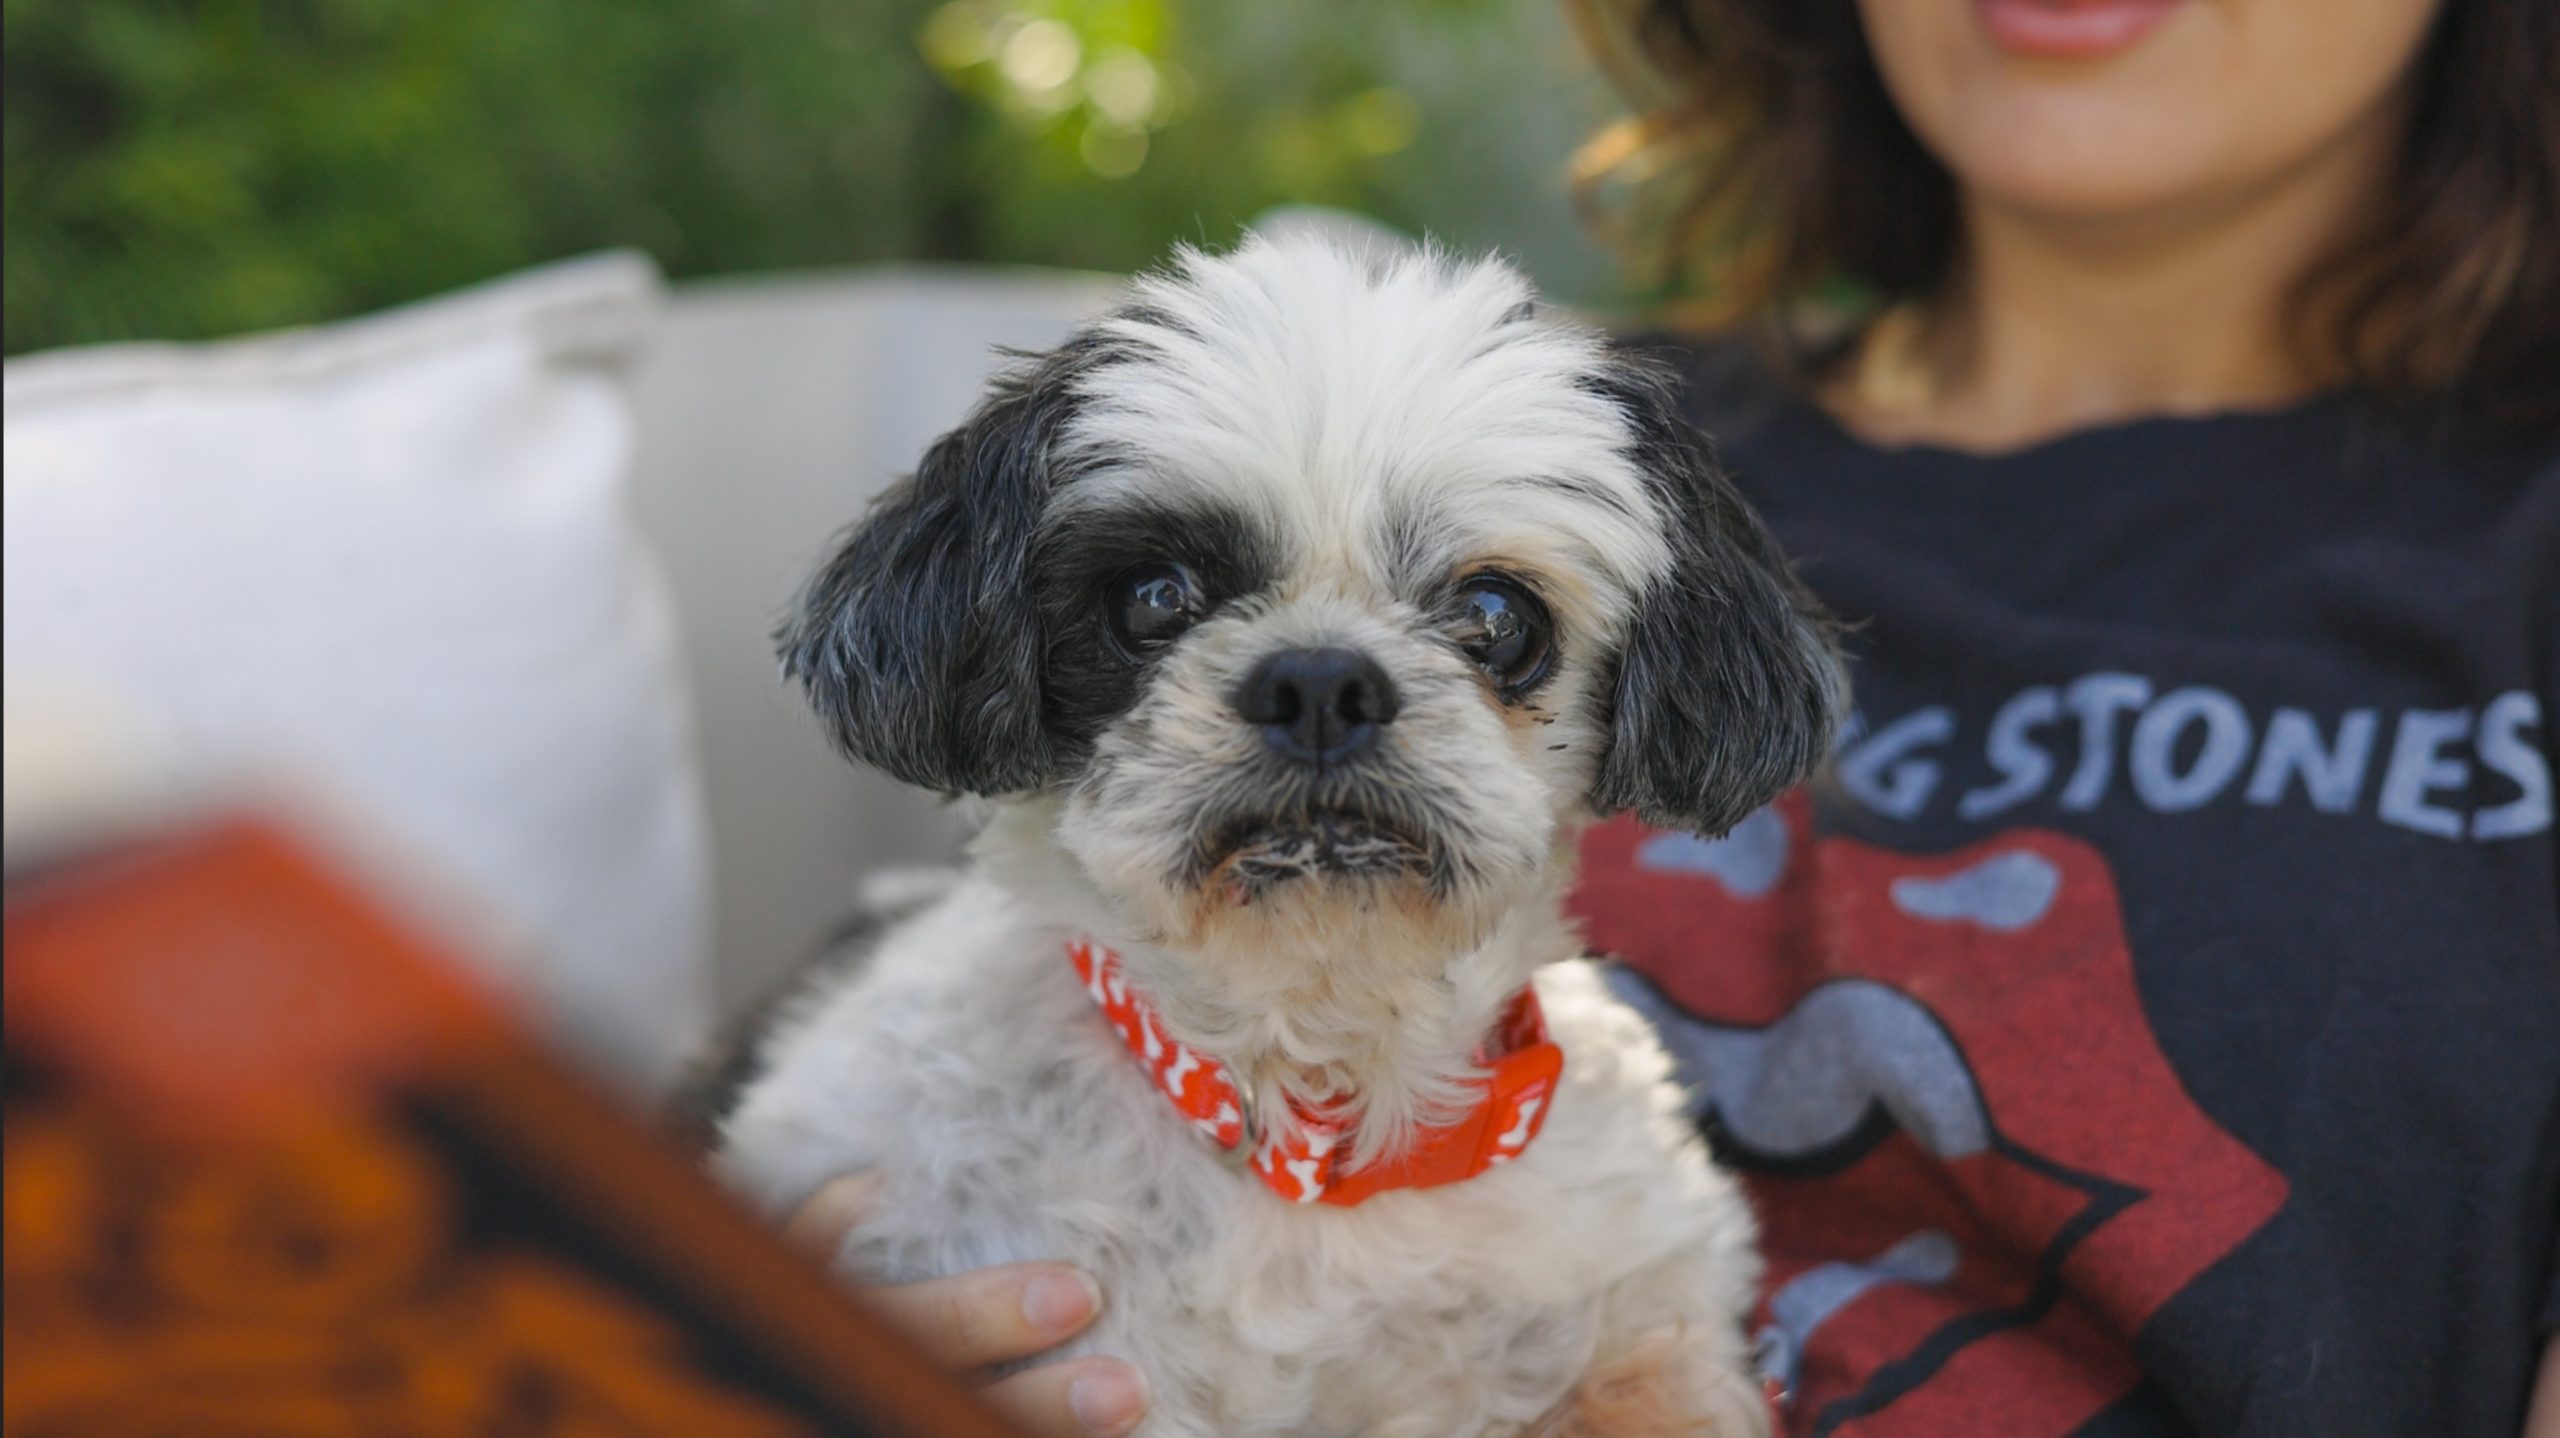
x: 1765, y: 167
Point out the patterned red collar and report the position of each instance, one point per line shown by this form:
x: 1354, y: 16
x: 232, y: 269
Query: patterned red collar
x: 1522, y: 1062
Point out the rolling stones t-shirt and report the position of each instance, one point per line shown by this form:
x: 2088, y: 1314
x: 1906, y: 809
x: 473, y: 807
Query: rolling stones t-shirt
x: 2151, y: 1023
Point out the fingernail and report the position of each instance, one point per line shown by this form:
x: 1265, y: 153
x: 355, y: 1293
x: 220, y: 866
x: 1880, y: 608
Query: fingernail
x: 1059, y: 1300
x: 1108, y: 1400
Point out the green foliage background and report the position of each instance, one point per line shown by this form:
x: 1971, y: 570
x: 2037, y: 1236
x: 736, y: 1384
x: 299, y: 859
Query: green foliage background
x: 176, y: 170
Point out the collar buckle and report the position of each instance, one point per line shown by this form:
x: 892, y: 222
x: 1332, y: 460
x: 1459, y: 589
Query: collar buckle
x: 1239, y: 1155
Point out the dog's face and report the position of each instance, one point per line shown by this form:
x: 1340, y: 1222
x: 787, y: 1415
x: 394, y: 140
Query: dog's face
x: 1319, y: 592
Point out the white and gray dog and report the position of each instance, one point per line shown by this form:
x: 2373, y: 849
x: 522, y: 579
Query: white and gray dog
x: 1296, y: 613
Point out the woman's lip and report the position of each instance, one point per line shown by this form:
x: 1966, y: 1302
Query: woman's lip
x: 2076, y: 29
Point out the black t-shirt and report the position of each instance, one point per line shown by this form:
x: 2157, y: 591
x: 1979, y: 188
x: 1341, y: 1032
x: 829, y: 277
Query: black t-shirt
x: 2152, y: 1024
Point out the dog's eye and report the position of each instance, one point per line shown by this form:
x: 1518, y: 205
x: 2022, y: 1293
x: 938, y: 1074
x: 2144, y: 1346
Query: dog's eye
x: 1152, y: 603
x: 1506, y: 630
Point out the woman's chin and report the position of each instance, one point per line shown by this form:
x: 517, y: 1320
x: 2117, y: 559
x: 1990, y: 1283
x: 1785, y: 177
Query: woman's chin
x: 2197, y: 100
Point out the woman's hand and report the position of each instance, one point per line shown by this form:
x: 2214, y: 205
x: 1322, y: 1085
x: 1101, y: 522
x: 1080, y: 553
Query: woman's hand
x: 971, y: 1321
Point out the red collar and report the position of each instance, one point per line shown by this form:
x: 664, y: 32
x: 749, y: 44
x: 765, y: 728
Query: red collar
x: 1522, y: 1062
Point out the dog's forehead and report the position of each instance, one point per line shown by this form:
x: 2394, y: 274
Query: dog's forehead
x: 1408, y: 411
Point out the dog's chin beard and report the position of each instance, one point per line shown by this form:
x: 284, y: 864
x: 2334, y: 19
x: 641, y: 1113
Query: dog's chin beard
x: 1237, y: 862
x: 1250, y: 858
x: 1321, y: 878
x: 1291, y: 887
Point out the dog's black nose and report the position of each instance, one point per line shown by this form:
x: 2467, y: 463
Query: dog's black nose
x: 1317, y: 706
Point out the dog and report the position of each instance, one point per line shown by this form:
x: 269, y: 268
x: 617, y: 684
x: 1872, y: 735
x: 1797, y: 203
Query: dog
x: 1293, y: 615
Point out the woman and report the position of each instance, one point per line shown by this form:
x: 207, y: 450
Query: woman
x: 2156, y: 1029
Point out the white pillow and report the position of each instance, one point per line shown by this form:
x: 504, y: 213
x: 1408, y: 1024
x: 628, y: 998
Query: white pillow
x: 395, y: 556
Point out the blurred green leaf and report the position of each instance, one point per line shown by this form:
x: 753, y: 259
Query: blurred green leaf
x: 187, y: 169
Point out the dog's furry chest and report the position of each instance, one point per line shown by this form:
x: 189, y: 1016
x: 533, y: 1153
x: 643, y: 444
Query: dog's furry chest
x: 965, y: 1066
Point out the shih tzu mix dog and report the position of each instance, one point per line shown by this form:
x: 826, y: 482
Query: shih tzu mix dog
x: 1295, y: 614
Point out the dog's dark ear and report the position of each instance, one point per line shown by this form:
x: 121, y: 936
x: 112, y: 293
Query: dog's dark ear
x: 918, y: 643
x: 1729, y: 687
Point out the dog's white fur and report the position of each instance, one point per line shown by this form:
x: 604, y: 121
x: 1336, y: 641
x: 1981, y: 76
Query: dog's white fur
x: 1382, y: 425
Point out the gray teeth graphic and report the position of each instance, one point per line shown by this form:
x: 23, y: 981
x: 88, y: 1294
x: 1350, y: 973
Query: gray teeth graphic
x: 1749, y: 861
x: 1811, y: 1297
x: 2005, y: 892
x: 1805, y: 1084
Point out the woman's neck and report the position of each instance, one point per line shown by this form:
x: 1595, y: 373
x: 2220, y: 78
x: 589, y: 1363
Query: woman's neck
x: 2061, y: 322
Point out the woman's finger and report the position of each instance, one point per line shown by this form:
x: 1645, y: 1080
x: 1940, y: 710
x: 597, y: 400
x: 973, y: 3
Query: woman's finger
x: 991, y: 1315
x: 1077, y: 1398
x: 822, y: 1223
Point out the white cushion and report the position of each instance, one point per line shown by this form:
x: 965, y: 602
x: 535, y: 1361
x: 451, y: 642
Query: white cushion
x: 772, y: 410
x: 395, y: 556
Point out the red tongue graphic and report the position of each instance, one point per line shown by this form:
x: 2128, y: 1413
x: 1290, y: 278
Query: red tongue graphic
x: 2090, y: 1192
